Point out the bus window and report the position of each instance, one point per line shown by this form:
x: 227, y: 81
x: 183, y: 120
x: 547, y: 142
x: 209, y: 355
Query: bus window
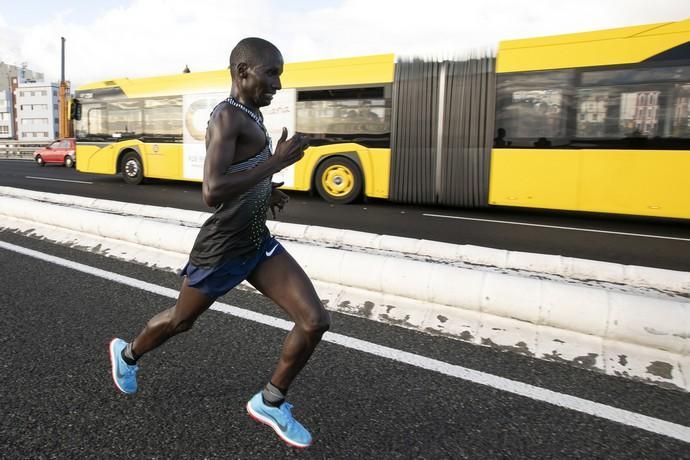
x: 92, y: 122
x: 360, y: 115
x: 636, y: 75
x: 592, y: 108
x: 162, y: 121
x: 639, y: 112
x: 125, y: 119
x: 680, y: 125
x: 633, y: 108
x: 532, y: 108
x: 618, y: 112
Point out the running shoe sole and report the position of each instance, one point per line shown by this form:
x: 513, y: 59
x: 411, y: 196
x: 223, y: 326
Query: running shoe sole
x: 266, y: 421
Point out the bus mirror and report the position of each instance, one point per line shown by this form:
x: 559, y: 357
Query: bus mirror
x: 75, y: 110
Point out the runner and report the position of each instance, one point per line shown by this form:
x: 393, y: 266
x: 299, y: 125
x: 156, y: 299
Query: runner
x: 234, y: 244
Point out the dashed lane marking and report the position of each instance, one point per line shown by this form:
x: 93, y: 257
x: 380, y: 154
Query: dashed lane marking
x: 578, y: 229
x: 58, y: 180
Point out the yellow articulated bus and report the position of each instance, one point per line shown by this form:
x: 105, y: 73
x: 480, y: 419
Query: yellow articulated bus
x: 155, y: 127
x: 596, y: 122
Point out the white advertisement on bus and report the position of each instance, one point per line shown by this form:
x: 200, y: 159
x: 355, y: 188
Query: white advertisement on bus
x: 196, y: 111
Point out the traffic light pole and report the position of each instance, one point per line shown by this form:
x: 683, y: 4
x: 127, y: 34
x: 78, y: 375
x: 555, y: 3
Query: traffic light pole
x: 65, y: 125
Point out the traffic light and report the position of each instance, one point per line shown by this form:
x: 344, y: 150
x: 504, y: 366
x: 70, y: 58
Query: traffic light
x: 75, y: 109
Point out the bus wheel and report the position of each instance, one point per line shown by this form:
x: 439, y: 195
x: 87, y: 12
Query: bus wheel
x: 132, y: 169
x: 338, y: 180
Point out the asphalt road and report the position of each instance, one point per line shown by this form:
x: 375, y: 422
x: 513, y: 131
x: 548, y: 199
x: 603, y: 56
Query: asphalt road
x: 662, y: 243
x: 58, y: 401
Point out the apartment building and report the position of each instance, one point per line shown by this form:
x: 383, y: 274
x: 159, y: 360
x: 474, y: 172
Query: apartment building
x: 6, y: 119
x: 10, y: 77
x: 37, y: 111
x: 21, y: 73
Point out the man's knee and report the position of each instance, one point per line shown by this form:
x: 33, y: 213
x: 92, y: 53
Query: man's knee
x: 317, y: 323
x: 175, y: 324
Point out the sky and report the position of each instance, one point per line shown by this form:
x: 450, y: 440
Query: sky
x: 135, y: 38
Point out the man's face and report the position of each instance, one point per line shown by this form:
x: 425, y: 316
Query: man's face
x: 263, y: 79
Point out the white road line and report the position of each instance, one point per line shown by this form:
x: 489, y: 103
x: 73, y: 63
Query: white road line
x: 557, y: 226
x: 625, y: 417
x: 58, y: 180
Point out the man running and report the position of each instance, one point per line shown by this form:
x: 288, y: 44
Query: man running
x: 234, y: 244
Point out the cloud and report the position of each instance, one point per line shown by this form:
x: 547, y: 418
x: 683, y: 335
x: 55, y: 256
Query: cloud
x: 153, y: 37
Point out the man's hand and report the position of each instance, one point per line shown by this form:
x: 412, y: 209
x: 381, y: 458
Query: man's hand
x: 278, y: 198
x: 289, y: 151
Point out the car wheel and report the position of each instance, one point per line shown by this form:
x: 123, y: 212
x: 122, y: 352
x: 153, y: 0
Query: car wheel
x: 69, y: 162
x: 132, y: 169
x: 338, y: 180
x: 40, y: 161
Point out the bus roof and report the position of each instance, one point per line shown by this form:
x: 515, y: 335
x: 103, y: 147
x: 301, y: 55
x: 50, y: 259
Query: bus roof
x: 624, y: 45
x: 364, y: 70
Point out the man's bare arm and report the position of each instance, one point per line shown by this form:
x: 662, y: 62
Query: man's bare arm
x: 220, y: 154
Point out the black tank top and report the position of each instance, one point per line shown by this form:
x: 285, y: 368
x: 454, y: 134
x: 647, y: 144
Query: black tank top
x: 238, y: 226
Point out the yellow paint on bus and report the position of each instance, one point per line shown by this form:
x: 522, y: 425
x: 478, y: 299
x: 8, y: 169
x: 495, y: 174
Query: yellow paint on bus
x: 636, y: 182
x: 625, y: 45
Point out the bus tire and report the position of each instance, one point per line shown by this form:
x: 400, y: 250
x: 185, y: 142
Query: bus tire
x: 338, y: 180
x: 132, y: 169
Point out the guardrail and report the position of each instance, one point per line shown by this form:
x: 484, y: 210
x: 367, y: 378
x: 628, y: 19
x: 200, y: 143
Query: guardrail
x: 11, y: 149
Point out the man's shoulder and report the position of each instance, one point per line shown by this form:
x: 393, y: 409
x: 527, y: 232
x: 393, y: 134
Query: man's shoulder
x: 224, y: 108
x: 227, y: 114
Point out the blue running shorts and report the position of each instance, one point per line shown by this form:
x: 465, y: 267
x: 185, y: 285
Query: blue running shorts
x: 217, y: 281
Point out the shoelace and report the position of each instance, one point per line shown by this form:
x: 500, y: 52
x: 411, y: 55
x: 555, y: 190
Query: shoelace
x: 130, y: 370
x: 285, y: 408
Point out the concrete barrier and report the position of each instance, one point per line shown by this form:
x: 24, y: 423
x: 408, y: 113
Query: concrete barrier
x: 628, y: 321
x: 617, y: 277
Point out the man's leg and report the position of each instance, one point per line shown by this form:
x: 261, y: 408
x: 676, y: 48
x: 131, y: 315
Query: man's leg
x: 191, y: 303
x: 282, y: 280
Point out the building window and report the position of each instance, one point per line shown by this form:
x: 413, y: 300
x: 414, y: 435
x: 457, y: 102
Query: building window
x: 4, y: 129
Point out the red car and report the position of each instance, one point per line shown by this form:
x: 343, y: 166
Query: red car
x: 59, y: 152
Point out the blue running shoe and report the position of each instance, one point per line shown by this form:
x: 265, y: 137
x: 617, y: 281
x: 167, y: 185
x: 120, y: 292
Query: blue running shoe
x: 124, y: 375
x: 281, y: 420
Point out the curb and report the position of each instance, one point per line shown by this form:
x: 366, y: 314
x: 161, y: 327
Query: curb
x: 617, y: 330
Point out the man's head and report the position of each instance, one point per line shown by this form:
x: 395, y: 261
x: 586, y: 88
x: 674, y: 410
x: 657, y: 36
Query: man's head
x: 255, y: 66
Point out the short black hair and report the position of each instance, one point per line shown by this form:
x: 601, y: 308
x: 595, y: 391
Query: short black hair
x: 250, y: 50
